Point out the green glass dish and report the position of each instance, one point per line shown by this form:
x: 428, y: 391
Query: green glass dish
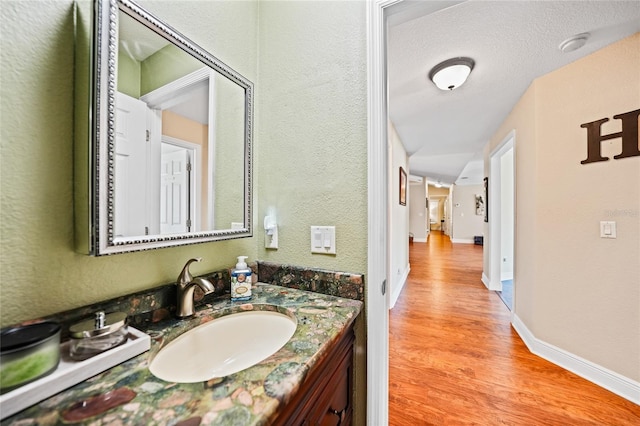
x: 27, y: 353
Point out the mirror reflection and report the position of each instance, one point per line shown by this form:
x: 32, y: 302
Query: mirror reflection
x: 179, y: 147
x: 171, y: 163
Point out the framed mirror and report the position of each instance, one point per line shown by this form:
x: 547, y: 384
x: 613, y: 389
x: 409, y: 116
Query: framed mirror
x: 171, y: 149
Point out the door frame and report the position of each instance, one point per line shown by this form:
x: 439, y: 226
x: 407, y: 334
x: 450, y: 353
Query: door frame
x: 377, y: 298
x: 168, y: 95
x: 495, y: 219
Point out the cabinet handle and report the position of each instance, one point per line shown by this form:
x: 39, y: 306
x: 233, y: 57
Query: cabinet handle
x: 340, y: 414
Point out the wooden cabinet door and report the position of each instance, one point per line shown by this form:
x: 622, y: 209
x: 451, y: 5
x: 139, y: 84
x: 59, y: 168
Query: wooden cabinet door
x: 334, y: 406
x: 325, y: 397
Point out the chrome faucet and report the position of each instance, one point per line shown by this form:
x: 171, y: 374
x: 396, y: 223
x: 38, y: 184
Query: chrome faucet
x: 186, y: 287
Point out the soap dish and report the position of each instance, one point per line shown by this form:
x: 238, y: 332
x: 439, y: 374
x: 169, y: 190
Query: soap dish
x: 70, y: 372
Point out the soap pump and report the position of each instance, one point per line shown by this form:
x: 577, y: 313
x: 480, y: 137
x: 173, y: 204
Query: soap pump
x: 241, y: 280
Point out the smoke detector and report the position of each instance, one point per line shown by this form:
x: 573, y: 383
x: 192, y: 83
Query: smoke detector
x: 574, y: 43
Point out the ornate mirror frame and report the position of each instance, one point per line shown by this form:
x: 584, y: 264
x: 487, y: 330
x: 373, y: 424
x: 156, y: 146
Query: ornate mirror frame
x: 102, y: 149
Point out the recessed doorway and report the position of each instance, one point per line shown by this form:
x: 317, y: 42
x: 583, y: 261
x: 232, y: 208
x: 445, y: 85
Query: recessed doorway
x: 502, y: 220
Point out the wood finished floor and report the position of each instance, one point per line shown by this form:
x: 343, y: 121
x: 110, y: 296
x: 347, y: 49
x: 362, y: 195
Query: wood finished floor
x: 455, y: 360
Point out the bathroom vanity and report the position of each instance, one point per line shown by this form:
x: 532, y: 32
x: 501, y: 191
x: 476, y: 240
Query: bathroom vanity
x: 308, y: 381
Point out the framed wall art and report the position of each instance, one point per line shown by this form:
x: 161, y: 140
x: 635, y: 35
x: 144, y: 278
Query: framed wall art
x: 479, y: 204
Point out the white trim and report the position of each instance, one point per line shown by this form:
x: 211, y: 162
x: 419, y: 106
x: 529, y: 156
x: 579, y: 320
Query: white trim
x: 174, y: 92
x: 485, y: 280
x: 495, y: 235
x: 601, y: 376
x: 495, y: 285
x: 397, y: 287
x: 421, y: 240
x: 154, y: 155
x: 491, y: 285
x: 377, y: 251
x: 462, y: 241
x: 506, y: 276
x: 211, y: 150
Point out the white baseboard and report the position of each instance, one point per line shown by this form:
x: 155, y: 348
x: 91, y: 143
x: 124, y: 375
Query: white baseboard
x: 485, y: 280
x: 610, y: 380
x: 493, y: 286
x: 396, y: 289
x: 419, y: 240
x: 462, y: 241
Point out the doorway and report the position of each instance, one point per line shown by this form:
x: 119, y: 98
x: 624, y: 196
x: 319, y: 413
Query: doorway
x: 434, y: 215
x: 377, y: 300
x: 183, y: 199
x: 175, y: 189
x: 502, y: 220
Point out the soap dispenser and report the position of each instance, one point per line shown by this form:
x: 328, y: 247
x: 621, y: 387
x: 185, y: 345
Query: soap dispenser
x: 241, y: 280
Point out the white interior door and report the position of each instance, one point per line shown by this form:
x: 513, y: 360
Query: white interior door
x: 130, y: 166
x: 175, y: 189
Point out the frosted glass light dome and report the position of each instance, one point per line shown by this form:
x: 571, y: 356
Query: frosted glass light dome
x: 452, y: 73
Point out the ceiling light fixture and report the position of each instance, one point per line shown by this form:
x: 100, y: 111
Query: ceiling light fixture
x: 452, y: 73
x: 574, y: 43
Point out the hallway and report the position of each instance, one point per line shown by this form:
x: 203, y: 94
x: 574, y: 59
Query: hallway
x: 454, y: 358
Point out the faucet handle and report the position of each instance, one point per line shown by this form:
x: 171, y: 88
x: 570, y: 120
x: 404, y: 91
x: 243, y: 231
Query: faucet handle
x: 185, y: 277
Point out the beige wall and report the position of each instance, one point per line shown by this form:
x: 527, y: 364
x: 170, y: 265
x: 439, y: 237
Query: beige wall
x: 466, y: 223
x: 574, y: 289
x: 438, y: 192
x: 398, y: 214
x: 418, y: 214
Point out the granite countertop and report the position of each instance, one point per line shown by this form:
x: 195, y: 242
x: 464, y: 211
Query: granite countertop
x: 130, y: 394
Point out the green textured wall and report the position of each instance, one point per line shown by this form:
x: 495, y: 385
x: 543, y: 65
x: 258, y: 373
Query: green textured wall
x: 128, y: 75
x: 312, y: 115
x: 229, y: 131
x: 310, y: 157
x: 41, y: 273
x: 165, y: 66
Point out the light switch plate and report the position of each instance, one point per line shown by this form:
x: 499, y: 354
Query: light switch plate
x: 608, y: 229
x: 323, y: 239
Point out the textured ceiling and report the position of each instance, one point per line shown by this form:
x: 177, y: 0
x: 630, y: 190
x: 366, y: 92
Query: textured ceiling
x: 512, y: 43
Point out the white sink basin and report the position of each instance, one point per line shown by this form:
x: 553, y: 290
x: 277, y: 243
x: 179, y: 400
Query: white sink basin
x: 223, y: 346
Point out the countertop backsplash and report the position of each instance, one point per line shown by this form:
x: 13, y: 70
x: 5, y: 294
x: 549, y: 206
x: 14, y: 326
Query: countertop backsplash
x: 341, y: 284
x: 159, y: 303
